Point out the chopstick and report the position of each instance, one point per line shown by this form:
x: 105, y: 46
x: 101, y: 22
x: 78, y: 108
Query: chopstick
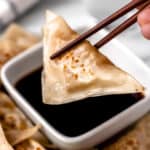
x: 121, y: 27
x: 121, y: 12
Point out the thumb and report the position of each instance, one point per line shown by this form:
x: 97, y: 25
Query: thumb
x: 144, y: 22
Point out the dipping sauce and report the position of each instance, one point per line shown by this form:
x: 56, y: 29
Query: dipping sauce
x: 75, y: 118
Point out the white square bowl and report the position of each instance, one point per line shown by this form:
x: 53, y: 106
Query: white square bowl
x: 30, y: 60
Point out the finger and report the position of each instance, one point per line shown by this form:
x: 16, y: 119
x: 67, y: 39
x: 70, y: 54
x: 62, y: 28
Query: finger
x: 146, y: 30
x: 144, y: 21
x: 144, y: 17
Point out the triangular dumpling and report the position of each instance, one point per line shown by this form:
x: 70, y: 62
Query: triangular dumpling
x: 80, y: 73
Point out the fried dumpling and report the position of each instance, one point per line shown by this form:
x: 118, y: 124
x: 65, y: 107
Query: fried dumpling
x: 15, y: 40
x: 80, y: 73
x: 30, y: 144
x: 17, y: 136
x: 4, y: 145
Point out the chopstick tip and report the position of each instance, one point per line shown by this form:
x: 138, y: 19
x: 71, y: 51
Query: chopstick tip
x: 52, y: 57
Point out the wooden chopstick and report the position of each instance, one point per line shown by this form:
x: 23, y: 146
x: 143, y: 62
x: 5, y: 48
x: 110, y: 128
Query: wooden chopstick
x: 121, y: 12
x: 121, y: 27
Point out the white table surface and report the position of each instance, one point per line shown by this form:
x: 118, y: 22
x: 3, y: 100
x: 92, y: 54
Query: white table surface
x: 75, y: 13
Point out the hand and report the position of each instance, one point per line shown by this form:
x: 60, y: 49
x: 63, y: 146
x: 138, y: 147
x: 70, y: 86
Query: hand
x: 144, y: 22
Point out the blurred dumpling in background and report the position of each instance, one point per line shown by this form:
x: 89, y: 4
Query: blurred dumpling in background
x: 18, y: 130
x: 14, y: 41
x: 4, y: 145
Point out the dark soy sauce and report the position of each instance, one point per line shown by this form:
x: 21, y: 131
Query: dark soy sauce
x: 74, y: 118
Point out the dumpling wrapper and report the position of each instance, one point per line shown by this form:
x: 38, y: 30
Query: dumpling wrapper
x: 17, y: 136
x: 15, y: 40
x: 80, y: 73
x: 4, y: 145
x: 30, y: 144
x: 17, y: 127
x: 10, y: 115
